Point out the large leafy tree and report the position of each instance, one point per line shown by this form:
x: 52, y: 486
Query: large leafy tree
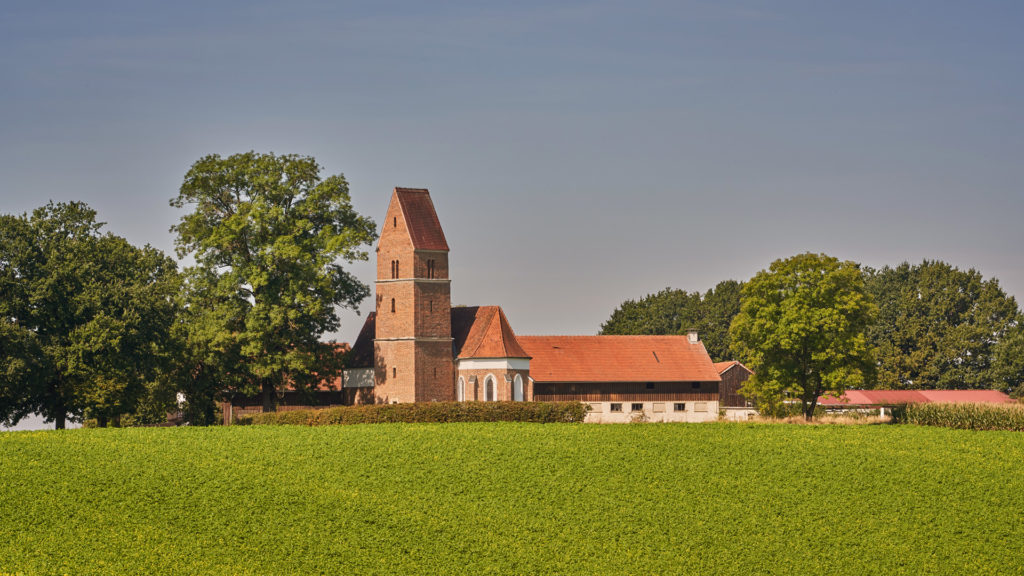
x: 267, y: 234
x: 1009, y: 362
x: 938, y: 327
x: 802, y: 329
x: 85, y: 315
x: 673, y: 311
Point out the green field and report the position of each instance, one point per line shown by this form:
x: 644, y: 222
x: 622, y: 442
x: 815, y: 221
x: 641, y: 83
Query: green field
x: 513, y: 499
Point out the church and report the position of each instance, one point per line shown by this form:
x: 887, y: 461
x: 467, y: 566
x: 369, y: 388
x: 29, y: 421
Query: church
x: 417, y: 347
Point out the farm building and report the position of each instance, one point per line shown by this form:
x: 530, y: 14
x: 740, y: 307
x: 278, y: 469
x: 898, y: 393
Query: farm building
x: 734, y: 404
x: 883, y: 399
x: 416, y: 347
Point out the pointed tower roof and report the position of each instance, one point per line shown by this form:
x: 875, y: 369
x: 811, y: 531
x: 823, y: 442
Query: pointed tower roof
x: 484, y: 332
x: 421, y: 219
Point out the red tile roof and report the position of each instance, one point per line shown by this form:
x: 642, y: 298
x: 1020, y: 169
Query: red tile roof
x: 618, y: 359
x: 889, y: 397
x: 421, y: 219
x: 483, y: 332
x: 976, y: 396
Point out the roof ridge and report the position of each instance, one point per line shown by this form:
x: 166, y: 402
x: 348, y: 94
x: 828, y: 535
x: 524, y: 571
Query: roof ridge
x: 483, y: 332
x: 509, y: 342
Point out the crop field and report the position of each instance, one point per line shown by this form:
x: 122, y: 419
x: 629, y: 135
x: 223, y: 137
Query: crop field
x: 507, y: 498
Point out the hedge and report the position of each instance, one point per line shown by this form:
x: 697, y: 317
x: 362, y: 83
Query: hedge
x: 541, y: 412
x: 963, y: 416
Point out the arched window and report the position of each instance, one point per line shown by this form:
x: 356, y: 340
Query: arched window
x: 460, y: 390
x: 517, y: 388
x: 489, y: 390
x: 392, y: 304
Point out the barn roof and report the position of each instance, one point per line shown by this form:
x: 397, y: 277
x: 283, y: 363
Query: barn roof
x: 889, y: 397
x: 421, y: 219
x: 618, y: 359
x: 483, y: 332
x: 721, y: 367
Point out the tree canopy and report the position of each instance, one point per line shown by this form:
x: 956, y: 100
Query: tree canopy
x: 802, y: 329
x: 267, y: 234
x: 939, y: 327
x: 85, y: 315
x: 673, y: 311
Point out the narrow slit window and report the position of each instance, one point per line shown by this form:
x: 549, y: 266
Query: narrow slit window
x: 392, y: 305
x: 394, y: 222
x: 394, y: 372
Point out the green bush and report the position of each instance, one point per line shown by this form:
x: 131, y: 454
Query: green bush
x: 963, y: 416
x: 541, y: 412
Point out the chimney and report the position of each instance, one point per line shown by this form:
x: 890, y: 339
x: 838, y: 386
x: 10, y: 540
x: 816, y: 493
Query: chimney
x: 691, y: 335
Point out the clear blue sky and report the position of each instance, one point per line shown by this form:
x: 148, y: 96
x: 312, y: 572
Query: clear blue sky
x: 578, y: 153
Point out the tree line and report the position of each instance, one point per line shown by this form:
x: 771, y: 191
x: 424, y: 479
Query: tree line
x: 94, y: 327
x: 811, y: 324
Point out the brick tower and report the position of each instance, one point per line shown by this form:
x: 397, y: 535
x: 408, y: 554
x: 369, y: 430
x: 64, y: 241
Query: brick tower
x: 413, y: 344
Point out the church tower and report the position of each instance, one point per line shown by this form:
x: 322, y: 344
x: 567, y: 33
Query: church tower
x: 413, y: 344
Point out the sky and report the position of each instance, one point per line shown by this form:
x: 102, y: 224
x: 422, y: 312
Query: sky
x: 578, y: 153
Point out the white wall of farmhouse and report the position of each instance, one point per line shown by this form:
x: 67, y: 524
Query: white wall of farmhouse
x: 625, y: 412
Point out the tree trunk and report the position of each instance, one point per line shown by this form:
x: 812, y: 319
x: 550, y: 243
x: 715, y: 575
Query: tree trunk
x: 60, y: 412
x: 101, y: 421
x: 269, y: 401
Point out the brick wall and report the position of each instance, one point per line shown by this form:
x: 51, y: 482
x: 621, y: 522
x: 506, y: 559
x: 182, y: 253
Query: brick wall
x: 394, y: 371
x: 503, y: 388
x: 434, y: 372
x: 433, y: 310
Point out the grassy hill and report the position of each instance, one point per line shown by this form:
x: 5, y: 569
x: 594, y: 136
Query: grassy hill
x: 513, y: 498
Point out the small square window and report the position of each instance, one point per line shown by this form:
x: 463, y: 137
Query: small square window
x: 696, y: 385
x: 636, y: 407
x: 679, y: 407
x: 650, y: 385
x: 615, y: 407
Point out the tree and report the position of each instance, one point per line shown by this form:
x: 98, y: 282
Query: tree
x: 85, y: 314
x: 938, y: 326
x: 802, y: 329
x: 676, y: 311
x: 267, y: 234
x: 1008, y: 362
